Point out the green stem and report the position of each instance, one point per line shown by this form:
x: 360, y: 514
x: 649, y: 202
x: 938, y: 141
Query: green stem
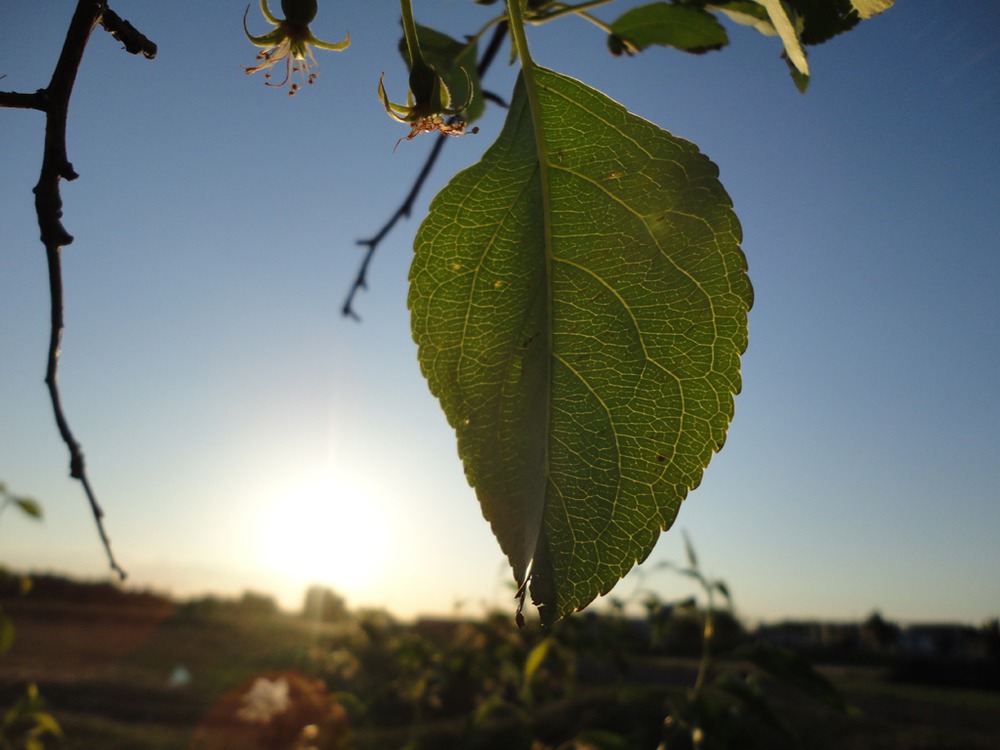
x: 706, y: 642
x: 410, y: 31
x: 596, y: 21
x: 564, y: 9
x: 516, y: 15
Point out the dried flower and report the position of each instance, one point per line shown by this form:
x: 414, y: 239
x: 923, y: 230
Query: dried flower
x: 428, y: 102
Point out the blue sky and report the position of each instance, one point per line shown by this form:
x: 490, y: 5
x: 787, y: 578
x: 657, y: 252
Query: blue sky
x: 218, y: 392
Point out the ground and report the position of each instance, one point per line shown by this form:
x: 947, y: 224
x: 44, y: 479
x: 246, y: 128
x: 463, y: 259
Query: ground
x: 158, y: 676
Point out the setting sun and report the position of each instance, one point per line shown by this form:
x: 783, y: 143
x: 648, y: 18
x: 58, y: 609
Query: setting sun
x: 326, y: 531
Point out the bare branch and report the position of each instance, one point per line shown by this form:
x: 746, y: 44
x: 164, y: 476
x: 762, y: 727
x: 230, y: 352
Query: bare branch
x: 135, y: 43
x: 360, y: 280
x: 17, y: 100
x: 54, y: 101
x: 496, y: 99
x: 372, y: 244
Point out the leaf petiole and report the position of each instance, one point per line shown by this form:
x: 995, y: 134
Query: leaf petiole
x: 410, y: 31
x: 565, y: 9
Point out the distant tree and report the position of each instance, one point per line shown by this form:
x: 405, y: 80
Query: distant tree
x: 199, y: 607
x: 991, y: 632
x: 324, y: 605
x: 259, y: 604
x: 877, y: 633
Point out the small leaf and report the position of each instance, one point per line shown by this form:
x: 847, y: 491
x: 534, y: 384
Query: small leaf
x: 800, y: 80
x: 29, y: 507
x: 535, y: 659
x: 723, y: 589
x: 771, y: 17
x: 680, y: 26
x: 746, y: 12
x: 824, y: 19
x: 45, y: 723
x: 692, y: 558
x: 820, y: 19
x: 869, y: 8
x: 785, y: 27
x: 579, y: 302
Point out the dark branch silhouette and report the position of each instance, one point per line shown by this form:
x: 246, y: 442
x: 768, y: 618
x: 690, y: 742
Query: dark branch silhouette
x: 54, y: 102
x: 405, y: 208
x: 135, y: 43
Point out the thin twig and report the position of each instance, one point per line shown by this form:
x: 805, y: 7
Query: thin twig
x: 496, y: 99
x: 360, y: 280
x: 54, y: 102
x: 372, y: 243
x: 135, y: 43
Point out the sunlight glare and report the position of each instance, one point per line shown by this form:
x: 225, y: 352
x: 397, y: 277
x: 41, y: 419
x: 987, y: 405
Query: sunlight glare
x: 328, y: 532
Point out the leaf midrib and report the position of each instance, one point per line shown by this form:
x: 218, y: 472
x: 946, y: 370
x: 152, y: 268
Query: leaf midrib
x: 531, y: 87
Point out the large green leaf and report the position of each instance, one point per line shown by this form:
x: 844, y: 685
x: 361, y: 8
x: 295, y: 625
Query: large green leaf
x: 579, y: 300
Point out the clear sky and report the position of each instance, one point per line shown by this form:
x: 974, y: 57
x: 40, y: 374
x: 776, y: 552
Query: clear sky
x: 241, y: 434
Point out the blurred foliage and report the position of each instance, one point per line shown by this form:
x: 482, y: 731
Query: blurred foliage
x: 643, y: 671
x: 684, y: 675
x: 27, y: 722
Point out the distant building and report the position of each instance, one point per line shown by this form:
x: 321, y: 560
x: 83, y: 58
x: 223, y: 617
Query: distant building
x: 875, y: 636
x: 944, y: 641
x: 811, y: 635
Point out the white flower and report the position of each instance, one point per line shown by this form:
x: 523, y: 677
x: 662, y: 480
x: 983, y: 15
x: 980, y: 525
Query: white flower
x: 264, y: 700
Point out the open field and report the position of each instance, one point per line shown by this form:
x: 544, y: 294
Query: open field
x: 161, y: 678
